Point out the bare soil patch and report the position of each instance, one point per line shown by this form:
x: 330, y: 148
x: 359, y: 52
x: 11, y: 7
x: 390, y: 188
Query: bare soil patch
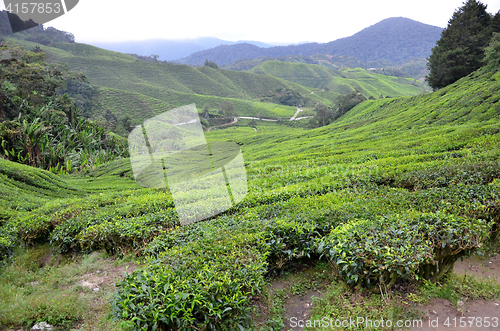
x: 443, y: 315
x: 299, y: 306
x: 468, y: 315
x: 107, y: 277
x: 481, y: 268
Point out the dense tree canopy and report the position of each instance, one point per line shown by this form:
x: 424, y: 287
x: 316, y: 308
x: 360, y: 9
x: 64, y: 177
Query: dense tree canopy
x: 39, y: 126
x: 460, y: 51
x: 211, y: 64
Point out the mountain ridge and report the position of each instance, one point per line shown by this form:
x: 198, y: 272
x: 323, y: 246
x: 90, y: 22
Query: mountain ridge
x: 395, y: 39
x: 168, y: 50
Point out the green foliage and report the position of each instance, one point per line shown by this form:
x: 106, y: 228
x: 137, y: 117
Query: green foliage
x: 42, y: 128
x: 343, y: 104
x: 418, y: 176
x: 211, y: 64
x: 492, y: 58
x: 460, y: 50
x: 340, y: 81
x: 128, y: 87
x: 200, y: 284
x: 386, y: 249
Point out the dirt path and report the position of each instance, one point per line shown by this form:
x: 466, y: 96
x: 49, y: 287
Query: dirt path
x: 473, y: 315
x: 486, y: 268
x: 442, y: 315
x: 293, y: 118
x: 299, y: 306
x: 296, y: 113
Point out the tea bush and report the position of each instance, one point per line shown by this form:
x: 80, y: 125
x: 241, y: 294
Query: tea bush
x: 204, y: 284
x: 126, y: 234
x: 393, y: 247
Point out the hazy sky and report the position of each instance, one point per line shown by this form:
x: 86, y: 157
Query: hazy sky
x: 260, y: 20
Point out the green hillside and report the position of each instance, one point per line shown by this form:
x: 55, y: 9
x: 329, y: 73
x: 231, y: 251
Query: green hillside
x: 166, y: 85
x: 115, y: 70
x: 140, y: 107
x: 342, y: 81
x: 409, y: 184
x: 24, y: 188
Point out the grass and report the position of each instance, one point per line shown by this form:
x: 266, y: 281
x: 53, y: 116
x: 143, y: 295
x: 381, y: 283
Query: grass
x: 40, y: 285
x: 140, y: 107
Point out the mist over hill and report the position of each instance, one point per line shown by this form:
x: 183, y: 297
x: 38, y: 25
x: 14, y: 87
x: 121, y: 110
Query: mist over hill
x: 396, y: 39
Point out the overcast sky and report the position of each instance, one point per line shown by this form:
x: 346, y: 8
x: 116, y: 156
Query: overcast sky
x: 259, y: 20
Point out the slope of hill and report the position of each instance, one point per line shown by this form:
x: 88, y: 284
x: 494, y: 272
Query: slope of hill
x: 397, y: 40
x: 23, y: 188
x: 163, y: 80
x: 139, y: 107
x: 342, y: 81
x: 137, y: 88
x: 160, y: 80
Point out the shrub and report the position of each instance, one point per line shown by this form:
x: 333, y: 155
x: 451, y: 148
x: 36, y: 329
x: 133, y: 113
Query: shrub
x: 388, y: 248
x: 206, y: 284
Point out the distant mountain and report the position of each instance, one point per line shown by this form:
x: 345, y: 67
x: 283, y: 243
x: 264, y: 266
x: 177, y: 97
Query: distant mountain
x: 169, y: 50
x: 397, y: 40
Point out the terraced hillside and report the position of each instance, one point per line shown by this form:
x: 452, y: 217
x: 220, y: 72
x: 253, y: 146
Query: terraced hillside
x: 342, y: 81
x: 164, y: 86
x: 120, y: 71
x: 393, y: 192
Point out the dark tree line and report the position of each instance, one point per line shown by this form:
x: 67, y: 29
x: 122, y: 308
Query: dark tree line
x: 211, y: 64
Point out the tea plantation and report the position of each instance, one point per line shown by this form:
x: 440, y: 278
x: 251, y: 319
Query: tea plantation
x: 394, y: 192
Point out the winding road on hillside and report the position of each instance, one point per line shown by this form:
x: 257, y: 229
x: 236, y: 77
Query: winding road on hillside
x: 293, y: 118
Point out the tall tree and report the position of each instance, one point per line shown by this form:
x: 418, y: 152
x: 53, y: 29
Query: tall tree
x: 227, y: 109
x: 460, y: 50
